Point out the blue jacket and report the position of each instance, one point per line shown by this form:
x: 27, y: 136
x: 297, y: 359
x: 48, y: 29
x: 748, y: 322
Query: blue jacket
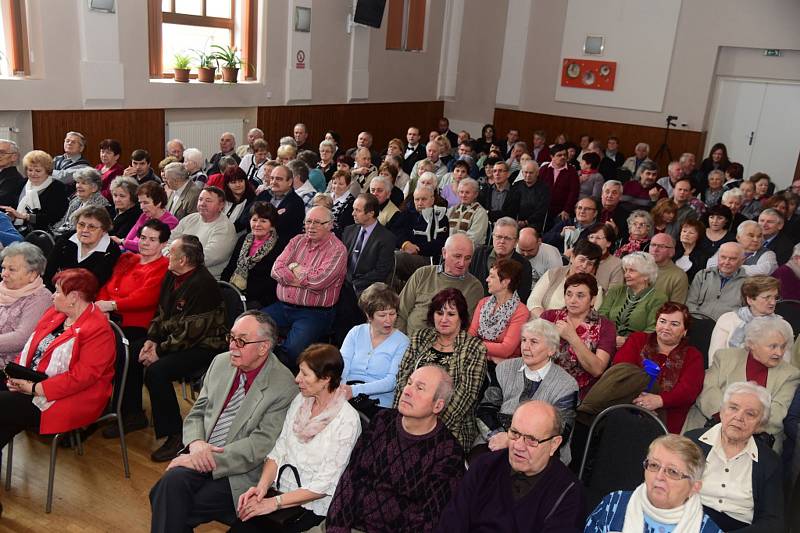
x: 609, y: 515
x: 8, y: 232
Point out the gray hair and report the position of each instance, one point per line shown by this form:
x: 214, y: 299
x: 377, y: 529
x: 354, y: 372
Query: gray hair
x: 745, y: 226
x: 643, y: 263
x: 90, y: 176
x: 176, y: 170
x: 328, y: 144
x: 750, y: 387
x: 382, y: 179
x: 432, y: 143
x: 643, y: 145
x: 257, y: 130
x: 12, y: 146
x: 127, y: 183
x: 684, y: 448
x: 677, y: 164
x: 32, y: 254
x: 288, y: 141
x: 771, y: 211
x: 639, y: 213
x: 450, y: 242
x: 508, y: 222
x: 322, y: 200
x: 544, y: 329
x: 736, y: 192
x: 178, y: 141
x: 425, y: 187
x: 226, y: 162
x: 714, y: 172
x: 267, y: 329
x: 192, y: 249
x: 612, y: 183
x: 81, y: 137
x: 761, y: 327
x: 194, y: 155
x: 299, y: 169
x: 472, y: 182
x: 521, y: 144
x: 429, y: 175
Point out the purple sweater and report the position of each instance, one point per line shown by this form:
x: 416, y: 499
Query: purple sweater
x: 790, y: 283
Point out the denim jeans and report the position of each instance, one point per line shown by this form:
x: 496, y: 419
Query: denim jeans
x: 306, y: 325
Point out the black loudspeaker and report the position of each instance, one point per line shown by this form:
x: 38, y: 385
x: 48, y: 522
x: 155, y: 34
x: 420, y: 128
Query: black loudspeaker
x: 369, y: 12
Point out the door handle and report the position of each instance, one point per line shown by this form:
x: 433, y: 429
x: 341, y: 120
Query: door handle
x: 750, y: 140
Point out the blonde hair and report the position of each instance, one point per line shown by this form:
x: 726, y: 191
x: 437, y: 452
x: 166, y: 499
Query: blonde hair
x: 39, y: 158
x: 686, y: 449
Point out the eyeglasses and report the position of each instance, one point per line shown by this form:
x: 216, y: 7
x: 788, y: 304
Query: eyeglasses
x: 239, y: 342
x: 529, y: 440
x: 673, y: 474
x: 503, y: 238
x: 90, y: 227
x: 316, y: 222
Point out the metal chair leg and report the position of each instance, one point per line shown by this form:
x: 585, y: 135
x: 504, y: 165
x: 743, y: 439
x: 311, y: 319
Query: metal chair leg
x: 78, y: 441
x: 10, y: 453
x: 51, y: 478
x: 124, y: 447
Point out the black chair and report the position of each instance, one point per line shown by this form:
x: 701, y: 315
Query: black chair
x: 699, y: 334
x: 618, y: 440
x: 790, y: 311
x: 114, y: 412
x: 42, y: 239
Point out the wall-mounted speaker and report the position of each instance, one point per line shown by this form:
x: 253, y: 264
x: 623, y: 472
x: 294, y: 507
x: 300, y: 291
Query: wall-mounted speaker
x: 369, y: 12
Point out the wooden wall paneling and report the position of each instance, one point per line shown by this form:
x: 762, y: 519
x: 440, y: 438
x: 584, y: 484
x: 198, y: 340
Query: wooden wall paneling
x: 133, y: 128
x: 679, y: 141
x: 384, y: 120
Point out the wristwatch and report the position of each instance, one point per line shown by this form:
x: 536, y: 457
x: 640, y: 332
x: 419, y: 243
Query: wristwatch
x: 278, y: 504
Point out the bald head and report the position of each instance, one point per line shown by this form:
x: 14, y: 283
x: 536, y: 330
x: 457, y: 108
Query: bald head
x: 662, y: 248
x: 457, y: 253
x: 528, y: 243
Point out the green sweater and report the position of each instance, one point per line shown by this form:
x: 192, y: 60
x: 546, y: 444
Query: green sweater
x: 643, y: 315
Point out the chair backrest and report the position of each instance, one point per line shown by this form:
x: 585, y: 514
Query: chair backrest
x: 699, y: 334
x: 615, y: 448
x: 42, y: 239
x: 123, y: 359
x: 235, y: 302
x: 790, y: 311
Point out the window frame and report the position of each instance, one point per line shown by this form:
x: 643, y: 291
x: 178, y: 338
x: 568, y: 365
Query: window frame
x: 17, y: 37
x: 405, y: 27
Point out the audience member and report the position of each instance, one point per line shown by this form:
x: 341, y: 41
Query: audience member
x: 563, y: 183
x: 591, y: 181
x: 541, y: 256
x: 253, y: 135
x: 612, y: 212
x: 389, y: 216
x: 11, y: 181
x: 109, y: 167
x: 422, y: 233
x: 126, y: 207
x: 291, y: 210
x: 227, y: 147
x: 641, y: 156
x: 691, y: 255
x: 140, y: 168
x: 497, y: 198
x: 43, y: 200
x: 789, y: 276
x: 193, y: 161
x: 327, y: 162
x: 183, y: 200
x: 609, y: 271
x: 733, y: 200
x: 533, y: 197
x: 239, y: 197
x: 566, y: 232
x: 504, y: 240
x: 640, y: 229
x: 669, y: 181
x: 343, y: 201
x: 152, y: 201
x: 772, y: 223
x: 672, y: 281
x: 643, y: 192
x: 665, y: 214
x: 717, y: 290
x: 176, y: 148
x: 87, y: 192
x: 469, y: 216
x: 758, y: 260
x: 65, y: 165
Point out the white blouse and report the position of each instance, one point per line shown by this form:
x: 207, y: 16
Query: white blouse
x: 320, y: 461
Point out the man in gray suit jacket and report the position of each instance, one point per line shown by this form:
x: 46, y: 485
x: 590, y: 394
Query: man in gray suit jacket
x: 185, y: 193
x: 231, y: 428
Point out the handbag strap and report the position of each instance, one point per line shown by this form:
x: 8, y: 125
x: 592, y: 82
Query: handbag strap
x: 280, y: 472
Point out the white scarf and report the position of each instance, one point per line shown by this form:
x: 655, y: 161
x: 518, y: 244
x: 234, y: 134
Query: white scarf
x: 688, y: 517
x: 29, y: 200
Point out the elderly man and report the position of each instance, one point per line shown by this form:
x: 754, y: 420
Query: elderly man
x: 300, y: 134
x: 364, y: 140
x: 231, y: 427
x: 497, y: 198
x: 758, y: 260
x: 524, y: 488
x: 540, y: 152
x: 187, y: 330
x: 432, y: 153
x: 717, y: 290
x: 644, y: 192
x: 742, y: 483
x: 66, y: 164
x: 672, y: 281
x: 183, y: 200
x: 563, y: 183
x: 406, y: 465
x: 504, y: 240
x: 362, y: 172
x: 612, y: 212
x: 469, y: 216
x: 634, y: 163
x: 310, y: 272
x: 533, y: 197
x: 429, y: 280
x: 193, y: 161
x: 565, y: 233
x: 175, y: 148
x: 215, y: 231
x: 674, y: 173
x: 689, y: 168
x: 772, y: 222
x: 303, y: 188
x: 252, y: 135
x: 140, y: 168
x: 227, y: 146
x: 415, y: 151
x: 389, y: 215
x: 11, y: 181
x: 291, y: 210
x: 541, y: 256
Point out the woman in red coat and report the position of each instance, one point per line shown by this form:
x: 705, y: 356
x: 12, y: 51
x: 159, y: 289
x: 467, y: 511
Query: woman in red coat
x: 681, y: 377
x: 74, y: 345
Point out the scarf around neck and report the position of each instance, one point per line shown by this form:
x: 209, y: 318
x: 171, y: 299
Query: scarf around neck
x: 687, y: 518
x: 305, y: 427
x: 29, y: 200
x: 9, y: 296
x: 246, y: 262
x: 493, y: 323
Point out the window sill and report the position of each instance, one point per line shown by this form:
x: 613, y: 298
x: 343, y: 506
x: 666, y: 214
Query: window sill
x: 170, y: 81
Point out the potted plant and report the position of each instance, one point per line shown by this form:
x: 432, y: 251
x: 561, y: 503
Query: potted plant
x: 230, y: 62
x: 182, y: 68
x: 206, y: 66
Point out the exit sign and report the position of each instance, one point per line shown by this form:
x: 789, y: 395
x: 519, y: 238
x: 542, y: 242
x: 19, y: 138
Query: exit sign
x: 772, y: 52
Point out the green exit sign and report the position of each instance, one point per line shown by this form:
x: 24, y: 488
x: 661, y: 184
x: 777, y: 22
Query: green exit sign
x: 772, y: 52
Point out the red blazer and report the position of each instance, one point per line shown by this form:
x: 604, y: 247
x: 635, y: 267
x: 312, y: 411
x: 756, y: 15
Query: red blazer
x: 135, y: 289
x: 680, y: 399
x: 544, y: 155
x: 564, y: 194
x: 80, y: 394
x: 107, y: 177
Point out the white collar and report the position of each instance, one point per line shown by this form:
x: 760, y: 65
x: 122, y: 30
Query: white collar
x: 102, y: 246
x: 713, y: 437
x: 536, y: 375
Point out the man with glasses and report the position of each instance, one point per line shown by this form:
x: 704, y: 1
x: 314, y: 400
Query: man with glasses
x: 504, y: 241
x: 565, y: 233
x: 497, y: 198
x: 232, y: 426
x: 66, y: 164
x: 672, y: 280
x: 544, y: 494
x: 310, y: 272
x: 11, y: 181
x: 564, y: 185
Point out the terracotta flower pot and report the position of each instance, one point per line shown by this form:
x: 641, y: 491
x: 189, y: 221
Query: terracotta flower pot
x: 230, y: 74
x: 182, y: 75
x: 206, y: 75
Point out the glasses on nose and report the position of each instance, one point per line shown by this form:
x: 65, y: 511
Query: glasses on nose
x: 529, y: 440
x: 504, y: 238
x: 316, y: 222
x: 239, y: 342
x: 90, y: 227
x: 581, y: 208
x: 673, y: 474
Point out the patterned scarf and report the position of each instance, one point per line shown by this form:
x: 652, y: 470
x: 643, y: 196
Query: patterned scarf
x: 633, y: 245
x: 246, y: 262
x: 589, y: 333
x: 671, y: 364
x: 493, y: 323
x: 306, y: 427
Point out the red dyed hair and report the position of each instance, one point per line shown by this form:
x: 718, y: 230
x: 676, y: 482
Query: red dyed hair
x: 78, y: 279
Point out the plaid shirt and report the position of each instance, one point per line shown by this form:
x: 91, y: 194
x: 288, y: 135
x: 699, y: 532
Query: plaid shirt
x: 324, y: 264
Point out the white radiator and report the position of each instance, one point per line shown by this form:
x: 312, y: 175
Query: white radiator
x: 204, y: 134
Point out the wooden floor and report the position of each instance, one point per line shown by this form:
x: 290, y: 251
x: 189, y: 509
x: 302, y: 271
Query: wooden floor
x: 91, y: 492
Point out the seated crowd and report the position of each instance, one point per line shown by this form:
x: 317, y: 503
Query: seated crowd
x: 429, y: 331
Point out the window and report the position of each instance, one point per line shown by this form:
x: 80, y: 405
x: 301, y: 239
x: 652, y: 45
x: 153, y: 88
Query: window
x: 183, y: 26
x: 406, y: 25
x: 13, y: 39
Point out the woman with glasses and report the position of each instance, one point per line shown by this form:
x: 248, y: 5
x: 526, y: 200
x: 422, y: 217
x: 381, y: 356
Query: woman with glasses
x: 90, y: 247
x: 640, y: 229
x: 87, y: 192
x: 669, y: 498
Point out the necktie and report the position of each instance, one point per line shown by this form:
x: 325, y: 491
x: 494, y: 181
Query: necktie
x: 357, y: 250
x: 219, y: 435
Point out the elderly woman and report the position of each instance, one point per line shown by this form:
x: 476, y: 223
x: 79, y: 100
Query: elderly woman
x: 632, y: 306
x: 690, y: 256
x: 713, y: 194
x: 372, y: 351
x: 632, y: 164
x: 760, y: 184
x: 587, y: 339
x: 87, y: 192
x: 343, y: 199
x: 446, y: 342
x: 43, y: 200
x: 760, y: 360
x: 253, y: 164
x: 717, y: 230
x: 640, y: 229
x: 733, y: 199
x: 789, y: 276
x: 319, y: 432
x: 252, y: 258
x: 126, y: 207
x: 429, y: 179
x: 548, y: 293
x: 239, y: 196
x: 90, y: 247
x: 153, y: 202
x: 74, y: 345
x: 193, y: 161
x: 327, y: 163
x: 389, y: 216
x: 759, y: 296
x: 109, y: 167
x: 469, y: 216
x: 669, y: 497
x: 609, y: 271
x: 390, y: 171
x: 498, y: 318
x: 530, y: 377
x: 742, y: 485
x: 758, y: 261
x: 23, y: 296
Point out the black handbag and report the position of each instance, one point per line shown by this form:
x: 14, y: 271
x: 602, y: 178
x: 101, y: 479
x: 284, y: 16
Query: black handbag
x: 15, y: 371
x: 285, y: 516
x: 363, y: 403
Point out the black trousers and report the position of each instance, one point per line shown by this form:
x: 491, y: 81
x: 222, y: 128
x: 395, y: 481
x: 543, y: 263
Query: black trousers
x: 348, y: 315
x: 159, y: 377
x: 260, y: 524
x: 184, y: 498
x: 17, y: 413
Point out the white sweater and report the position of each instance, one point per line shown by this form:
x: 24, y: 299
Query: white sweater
x: 218, y: 239
x: 721, y: 336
